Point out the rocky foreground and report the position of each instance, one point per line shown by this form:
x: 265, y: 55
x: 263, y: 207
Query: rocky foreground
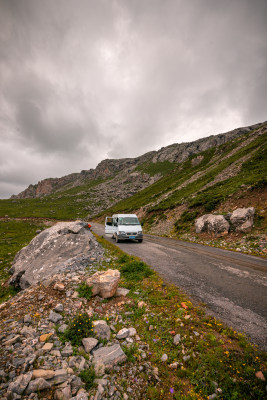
x: 35, y: 363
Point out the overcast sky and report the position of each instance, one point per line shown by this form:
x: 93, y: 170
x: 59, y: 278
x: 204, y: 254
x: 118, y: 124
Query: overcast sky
x: 81, y: 81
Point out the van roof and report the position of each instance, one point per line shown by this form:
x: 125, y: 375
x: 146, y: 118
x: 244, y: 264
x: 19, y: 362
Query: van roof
x: 124, y: 215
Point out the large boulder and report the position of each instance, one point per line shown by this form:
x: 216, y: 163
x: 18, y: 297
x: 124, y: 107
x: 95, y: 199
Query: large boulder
x: 212, y: 224
x: 104, y: 283
x: 65, y: 246
x: 242, y: 219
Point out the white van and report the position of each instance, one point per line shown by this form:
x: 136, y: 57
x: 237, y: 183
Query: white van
x: 124, y: 226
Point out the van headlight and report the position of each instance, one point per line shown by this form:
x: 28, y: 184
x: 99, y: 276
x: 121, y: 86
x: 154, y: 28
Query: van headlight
x: 140, y: 232
x: 121, y: 233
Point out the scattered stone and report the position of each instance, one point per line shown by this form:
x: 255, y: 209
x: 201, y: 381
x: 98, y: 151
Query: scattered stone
x: 48, y: 346
x: 109, y: 355
x: 186, y: 358
x: 20, y: 384
x: 45, y: 337
x: 177, y: 339
x: 37, y: 385
x: 260, y: 376
x: 104, y: 283
x: 132, y: 331
x: 27, y: 319
x: 59, y: 286
x: 43, y: 373
x: 62, y: 328
x: 9, y: 342
x: 67, y: 351
x: 123, y: 333
x: 141, y: 304
x: 61, y: 375
x: 121, y: 292
x: 59, y: 307
x: 164, y: 357
x: 212, y: 396
x: 28, y: 331
x: 102, y: 331
x: 89, y: 344
x: 77, y: 362
x: 54, y: 317
x: 174, y: 365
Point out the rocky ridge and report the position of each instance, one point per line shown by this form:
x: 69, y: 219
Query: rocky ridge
x: 175, y: 153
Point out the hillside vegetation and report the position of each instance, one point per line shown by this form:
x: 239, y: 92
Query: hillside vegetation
x: 168, y: 189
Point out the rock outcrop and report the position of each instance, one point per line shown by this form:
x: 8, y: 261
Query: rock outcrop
x: 241, y: 220
x: 212, y: 224
x: 66, y: 246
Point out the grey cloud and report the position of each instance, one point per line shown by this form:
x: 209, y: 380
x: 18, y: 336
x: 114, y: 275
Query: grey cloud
x: 90, y: 79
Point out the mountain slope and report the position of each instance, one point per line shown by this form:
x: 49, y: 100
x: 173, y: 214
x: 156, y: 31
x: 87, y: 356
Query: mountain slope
x: 175, y: 153
x: 160, y: 186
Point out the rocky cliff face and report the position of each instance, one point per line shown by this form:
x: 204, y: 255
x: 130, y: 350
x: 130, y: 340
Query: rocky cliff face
x: 174, y: 153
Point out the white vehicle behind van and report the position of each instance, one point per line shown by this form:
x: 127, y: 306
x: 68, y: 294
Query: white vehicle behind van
x: 124, y: 226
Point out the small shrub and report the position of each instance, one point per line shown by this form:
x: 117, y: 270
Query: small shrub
x: 188, y: 216
x: 130, y: 352
x: 80, y: 327
x: 260, y: 184
x: 135, y: 271
x: 88, y: 376
x: 123, y: 259
x: 84, y: 290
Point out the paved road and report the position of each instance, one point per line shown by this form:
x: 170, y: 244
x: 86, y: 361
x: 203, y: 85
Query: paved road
x: 233, y: 286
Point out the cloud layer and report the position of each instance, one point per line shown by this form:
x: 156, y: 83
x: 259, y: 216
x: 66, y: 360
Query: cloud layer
x: 82, y: 81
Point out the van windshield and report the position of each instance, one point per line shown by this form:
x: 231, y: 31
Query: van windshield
x: 128, y: 221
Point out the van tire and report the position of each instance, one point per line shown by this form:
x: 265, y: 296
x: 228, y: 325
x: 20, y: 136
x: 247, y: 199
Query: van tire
x: 140, y: 240
x: 117, y: 239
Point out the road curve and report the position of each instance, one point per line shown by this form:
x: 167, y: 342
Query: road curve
x: 233, y: 286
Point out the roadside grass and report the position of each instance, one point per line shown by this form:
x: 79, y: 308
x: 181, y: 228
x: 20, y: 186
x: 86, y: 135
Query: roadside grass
x: 211, y: 357
x: 13, y: 236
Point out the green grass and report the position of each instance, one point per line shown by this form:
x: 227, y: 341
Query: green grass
x: 88, y: 376
x: 68, y: 204
x: 84, y: 290
x: 152, y: 169
x: 13, y: 236
x: 217, y: 353
x: 135, y: 271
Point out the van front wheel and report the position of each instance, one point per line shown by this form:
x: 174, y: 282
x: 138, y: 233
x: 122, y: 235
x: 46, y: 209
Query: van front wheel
x: 140, y: 240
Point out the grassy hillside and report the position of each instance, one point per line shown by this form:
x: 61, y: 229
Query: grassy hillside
x: 67, y: 204
x: 176, y: 188
x: 216, y: 180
